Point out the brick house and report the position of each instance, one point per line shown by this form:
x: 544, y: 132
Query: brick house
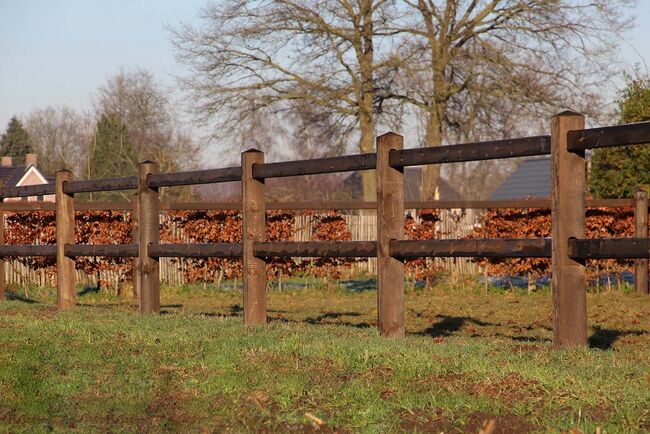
x: 19, y: 176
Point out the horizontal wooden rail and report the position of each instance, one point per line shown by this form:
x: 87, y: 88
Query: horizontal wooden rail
x: 609, y: 248
x: 29, y: 250
x: 213, y: 250
x: 316, y: 166
x: 619, y: 135
x: 320, y: 205
x: 485, y: 248
x: 106, y: 184
x: 210, y: 176
x: 330, y: 249
x: 28, y: 190
x: 106, y: 250
x: 522, y: 147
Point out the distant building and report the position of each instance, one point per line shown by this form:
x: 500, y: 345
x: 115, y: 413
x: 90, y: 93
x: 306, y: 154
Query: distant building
x: 20, y: 176
x: 532, y: 179
x: 412, y: 183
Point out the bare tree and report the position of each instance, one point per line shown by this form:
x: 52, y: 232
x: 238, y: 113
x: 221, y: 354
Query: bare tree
x: 153, y: 126
x: 59, y: 135
x: 254, y: 55
x: 492, y: 68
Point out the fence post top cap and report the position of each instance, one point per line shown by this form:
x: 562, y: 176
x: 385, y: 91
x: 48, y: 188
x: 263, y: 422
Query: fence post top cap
x: 252, y: 150
x: 147, y: 162
x: 568, y: 113
x: 390, y: 133
x: 64, y: 171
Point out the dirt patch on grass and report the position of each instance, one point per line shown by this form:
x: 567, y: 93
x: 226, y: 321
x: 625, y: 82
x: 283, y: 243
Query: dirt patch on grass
x: 425, y: 420
x: 434, y: 420
x: 506, y: 423
x: 511, y: 389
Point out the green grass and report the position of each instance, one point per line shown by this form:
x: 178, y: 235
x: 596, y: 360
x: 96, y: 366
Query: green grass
x: 468, y: 356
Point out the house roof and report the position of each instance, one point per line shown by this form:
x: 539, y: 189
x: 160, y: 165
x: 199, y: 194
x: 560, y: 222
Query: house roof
x: 532, y: 179
x: 11, y: 175
x: 412, y: 183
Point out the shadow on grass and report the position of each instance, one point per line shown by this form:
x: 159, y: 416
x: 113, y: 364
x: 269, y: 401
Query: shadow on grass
x: 320, y: 320
x: 359, y: 285
x: 448, y: 325
x: 89, y: 289
x: 603, y: 338
x: 10, y: 295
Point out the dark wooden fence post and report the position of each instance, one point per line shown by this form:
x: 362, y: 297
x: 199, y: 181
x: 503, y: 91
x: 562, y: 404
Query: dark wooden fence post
x: 149, y: 233
x: 66, y: 277
x: 135, y: 231
x: 390, y: 226
x: 641, y: 231
x: 2, y: 242
x: 253, y: 230
x: 568, y: 220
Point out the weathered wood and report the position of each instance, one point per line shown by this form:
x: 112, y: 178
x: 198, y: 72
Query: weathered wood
x: 568, y: 221
x: 196, y: 250
x: 106, y: 184
x: 28, y: 190
x: 522, y: 147
x: 316, y: 249
x: 105, y: 250
x: 149, y: 234
x: 210, y: 176
x: 641, y: 231
x: 253, y: 228
x: 483, y: 248
x: 135, y: 238
x: 609, y: 248
x: 2, y: 242
x: 390, y: 226
x: 347, y: 163
x: 315, y: 205
x: 619, y: 135
x: 27, y: 250
x: 66, y: 277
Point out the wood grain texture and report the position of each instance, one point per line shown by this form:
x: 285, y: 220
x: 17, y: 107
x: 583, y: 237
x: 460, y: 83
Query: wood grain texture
x: 568, y: 220
x: 2, y: 242
x: 66, y: 277
x: 253, y: 219
x: 149, y: 233
x: 641, y: 231
x: 390, y: 226
x: 135, y: 238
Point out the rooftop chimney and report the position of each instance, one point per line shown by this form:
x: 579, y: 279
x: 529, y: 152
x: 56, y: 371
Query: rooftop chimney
x: 31, y: 159
x: 6, y: 162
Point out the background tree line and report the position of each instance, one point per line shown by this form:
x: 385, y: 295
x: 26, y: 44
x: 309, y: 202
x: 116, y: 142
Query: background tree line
x: 132, y: 120
x: 342, y: 70
x: 312, y: 78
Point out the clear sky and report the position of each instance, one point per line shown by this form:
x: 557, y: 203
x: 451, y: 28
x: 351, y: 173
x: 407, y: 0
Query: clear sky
x: 58, y: 52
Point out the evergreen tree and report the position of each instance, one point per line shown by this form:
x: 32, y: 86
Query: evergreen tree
x: 15, y: 142
x: 616, y: 172
x: 111, y: 154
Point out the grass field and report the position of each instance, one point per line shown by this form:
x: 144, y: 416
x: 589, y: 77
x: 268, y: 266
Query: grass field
x: 320, y: 365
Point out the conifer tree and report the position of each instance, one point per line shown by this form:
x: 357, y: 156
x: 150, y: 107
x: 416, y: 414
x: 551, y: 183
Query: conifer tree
x: 111, y: 153
x: 616, y: 172
x: 15, y: 142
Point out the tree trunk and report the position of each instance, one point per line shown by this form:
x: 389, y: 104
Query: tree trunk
x: 431, y: 173
x: 366, y: 96
x: 368, y: 177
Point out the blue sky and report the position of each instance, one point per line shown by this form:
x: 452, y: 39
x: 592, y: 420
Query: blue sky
x: 58, y: 52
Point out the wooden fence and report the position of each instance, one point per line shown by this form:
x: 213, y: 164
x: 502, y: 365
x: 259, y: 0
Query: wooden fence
x: 568, y: 251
